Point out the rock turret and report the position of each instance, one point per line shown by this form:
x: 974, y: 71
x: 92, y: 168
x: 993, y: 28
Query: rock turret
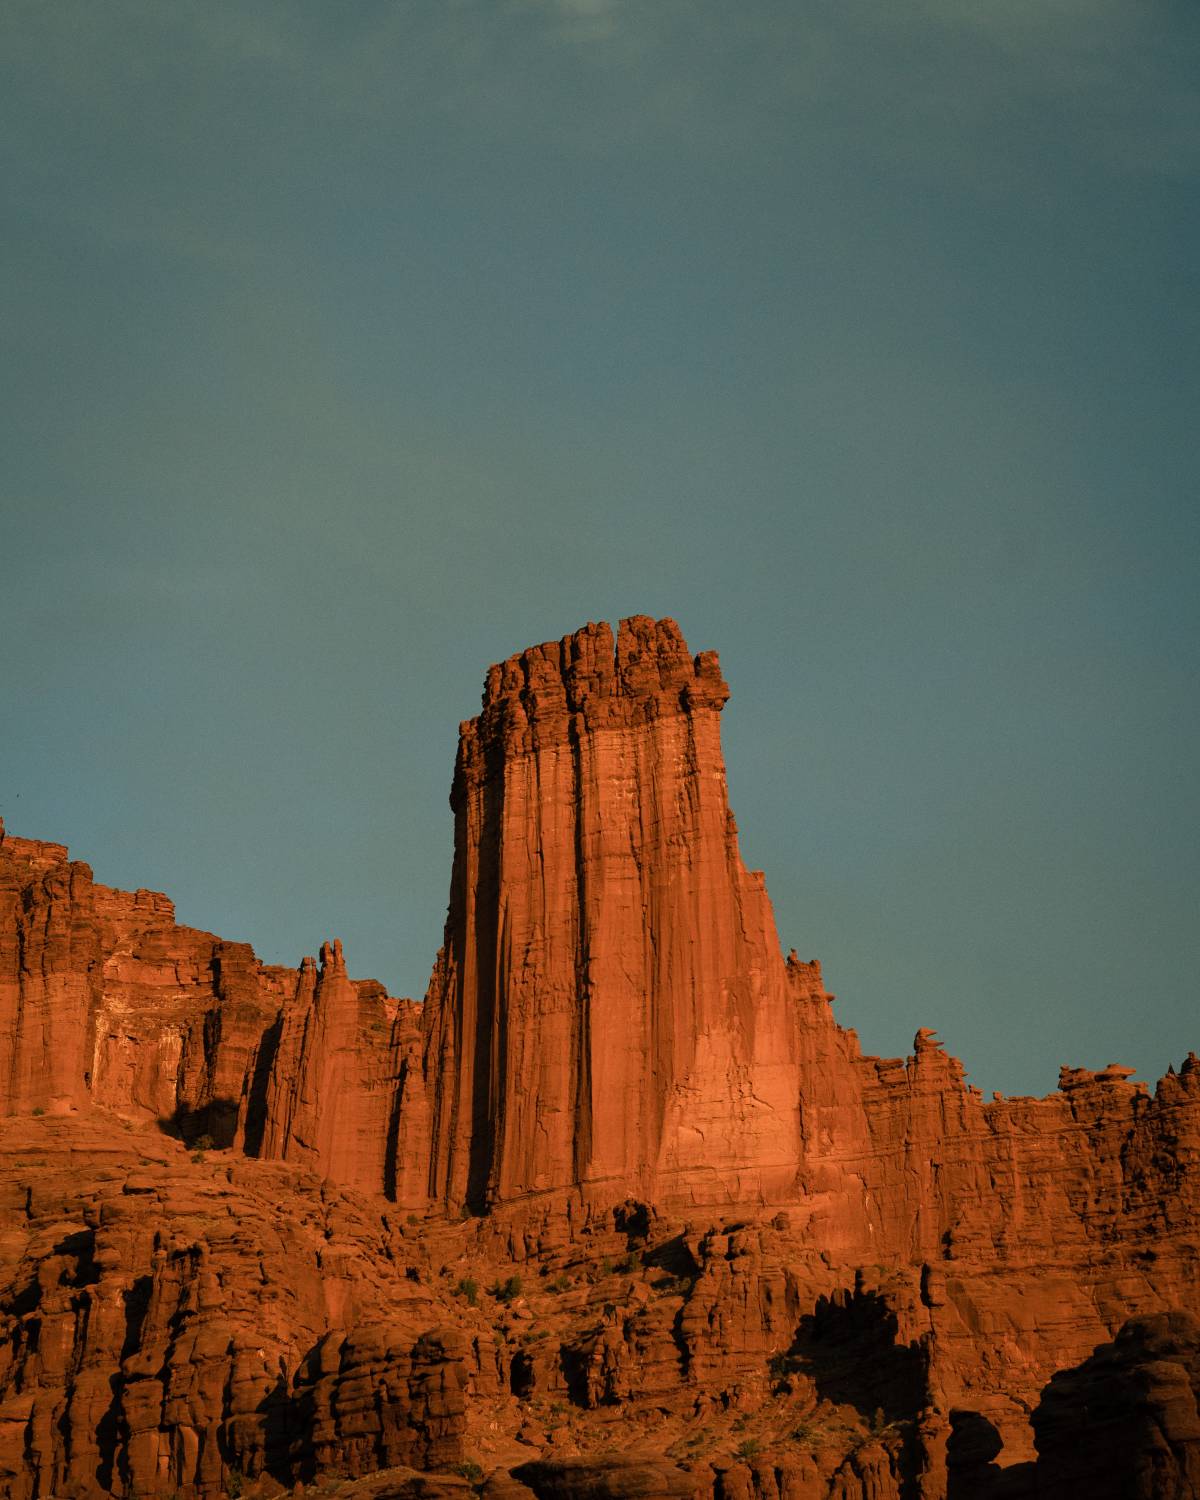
x: 611, y: 1008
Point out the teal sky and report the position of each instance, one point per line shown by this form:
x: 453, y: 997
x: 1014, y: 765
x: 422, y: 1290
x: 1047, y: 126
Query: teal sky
x: 349, y: 348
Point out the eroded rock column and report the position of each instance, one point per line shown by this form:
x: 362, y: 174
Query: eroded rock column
x: 611, y: 1008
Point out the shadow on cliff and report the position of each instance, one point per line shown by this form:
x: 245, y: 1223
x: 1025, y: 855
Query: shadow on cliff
x: 112, y: 1431
x: 287, y: 1418
x: 256, y: 1101
x: 214, y: 1125
x: 848, y: 1347
x: 1125, y: 1424
x: 971, y: 1474
x: 211, y: 1127
x: 1122, y: 1425
x: 487, y: 1097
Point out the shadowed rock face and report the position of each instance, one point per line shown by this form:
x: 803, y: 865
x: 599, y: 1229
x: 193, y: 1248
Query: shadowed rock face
x: 253, y: 1212
x: 1125, y: 1423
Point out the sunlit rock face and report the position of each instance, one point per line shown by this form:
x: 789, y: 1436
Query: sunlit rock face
x: 611, y: 1008
x: 261, y: 1224
x: 106, y: 1001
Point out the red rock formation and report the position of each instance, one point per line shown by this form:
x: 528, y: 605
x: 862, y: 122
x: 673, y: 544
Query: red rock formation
x: 792, y: 1270
x: 1125, y: 1425
x: 49, y: 948
x: 104, y: 1000
x: 610, y: 1007
x: 334, y: 1076
x: 166, y: 1326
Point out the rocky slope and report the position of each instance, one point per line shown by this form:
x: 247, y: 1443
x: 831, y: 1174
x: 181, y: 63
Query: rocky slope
x: 620, y: 1209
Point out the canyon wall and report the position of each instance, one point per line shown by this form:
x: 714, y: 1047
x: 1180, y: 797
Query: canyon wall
x: 614, y: 1063
x: 611, y: 1014
x: 106, y: 1001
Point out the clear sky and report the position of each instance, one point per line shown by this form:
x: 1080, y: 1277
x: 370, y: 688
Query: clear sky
x: 351, y: 347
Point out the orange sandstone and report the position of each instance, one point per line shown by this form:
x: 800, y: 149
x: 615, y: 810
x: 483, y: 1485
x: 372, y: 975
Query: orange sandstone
x: 251, y: 1213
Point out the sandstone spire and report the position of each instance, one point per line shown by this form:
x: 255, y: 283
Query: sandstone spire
x: 610, y: 1018
x: 611, y: 1008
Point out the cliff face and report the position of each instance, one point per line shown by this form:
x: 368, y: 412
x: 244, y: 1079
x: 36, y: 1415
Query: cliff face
x: 726, y: 1217
x: 171, y: 1329
x: 611, y: 1008
x: 105, y: 1000
x: 49, y: 981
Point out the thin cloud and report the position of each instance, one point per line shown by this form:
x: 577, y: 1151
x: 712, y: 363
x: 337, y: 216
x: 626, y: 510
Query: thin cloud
x: 971, y: 94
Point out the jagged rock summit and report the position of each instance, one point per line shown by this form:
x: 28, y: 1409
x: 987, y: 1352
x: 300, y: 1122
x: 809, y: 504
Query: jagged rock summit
x: 620, y: 1209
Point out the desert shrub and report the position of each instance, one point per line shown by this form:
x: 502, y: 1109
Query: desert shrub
x: 508, y: 1290
x: 468, y: 1289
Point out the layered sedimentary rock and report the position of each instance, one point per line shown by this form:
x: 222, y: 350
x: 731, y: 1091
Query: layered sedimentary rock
x: 167, y: 1326
x: 49, y: 981
x: 338, y: 1077
x: 105, y: 1000
x: 611, y: 1012
x: 621, y: 1181
x: 610, y: 1008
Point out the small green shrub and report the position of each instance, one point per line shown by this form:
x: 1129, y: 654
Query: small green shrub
x: 203, y: 1143
x: 508, y: 1290
x: 748, y: 1448
x: 560, y: 1283
x: 468, y: 1469
x: 38, y: 1110
x: 468, y: 1289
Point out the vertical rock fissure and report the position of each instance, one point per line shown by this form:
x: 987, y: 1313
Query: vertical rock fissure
x: 581, y: 1039
x: 484, y: 1146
